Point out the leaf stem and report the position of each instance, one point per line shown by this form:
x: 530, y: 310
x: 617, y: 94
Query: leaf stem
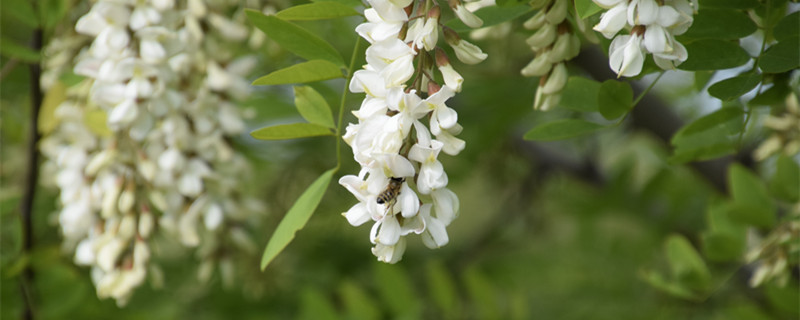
x: 344, y: 99
x: 641, y: 95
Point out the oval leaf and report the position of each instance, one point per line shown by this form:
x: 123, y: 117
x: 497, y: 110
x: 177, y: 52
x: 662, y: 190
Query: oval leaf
x: 580, y: 94
x: 296, y: 218
x: 720, y: 24
x: 294, y: 38
x: 561, y: 129
x: 785, y: 183
x: 751, y: 202
x: 586, y: 8
x: 788, y: 27
x: 312, y: 106
x: 304, y: 72
x: 781, y: 57
x: 735, y: 87
x: 291, y: 131
x: 713, y: 120
x: 492, y: 15
x: 714, y: 54
x: 614, y: 99
x: 317, y: 11
x: 686, y: 265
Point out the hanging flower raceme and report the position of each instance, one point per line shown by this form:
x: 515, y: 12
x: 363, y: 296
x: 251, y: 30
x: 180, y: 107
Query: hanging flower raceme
x: 786, y: 131
x: 397, y: 151
x: 554, y: 43
x: 653, y: 26
x: 141, y: 146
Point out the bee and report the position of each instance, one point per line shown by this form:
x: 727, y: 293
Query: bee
x: 392, y: 190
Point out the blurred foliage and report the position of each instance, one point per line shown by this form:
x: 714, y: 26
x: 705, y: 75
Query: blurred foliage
x: 532, y: 241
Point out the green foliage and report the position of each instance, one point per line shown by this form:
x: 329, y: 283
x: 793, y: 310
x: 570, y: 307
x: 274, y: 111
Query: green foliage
x: 317, y: 11
x: 11, y: 49
x: 291, y: 131
x: 614, y: 99
x: 442, y: 289
x: 312, y: 106
x: 782, y: 56
x: 788, y: 28
x: 735, y: 87
x: 586, y: 8
x: 785, y: 183
x: 708, y: 137
x: 492, y: 15
x: 22, y: 11
x: 751, y: 202
x: 561, y: 129
x: 580, y: 94
x: 732, y: 4
x: 396, y: 291
x: 304, y: 72
x: 724, y: 240
x: 720, y: 24
x: 296, y: 218
x: 315, y: 306
x: 713, y: 54
x: 294, y: 38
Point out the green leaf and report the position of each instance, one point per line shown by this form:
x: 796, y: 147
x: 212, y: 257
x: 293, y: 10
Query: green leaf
x: 701, y: 79
x: 304, y: 72
x: 296, y: 218
x: 22, y: 11
x: 732, y: 4
x: 687, y: 266
x: 724, y: 240
x: 561, y: 129
x: 751, y: 202
x: 13, y: 50
x: 785, y: 183
x: 720, y: 24
x: 482, y: 294
x: 775, y: 95
x: 735, y: 87
x: 657, y: 280
x: 291, y: 131
x: 317, y: 11
x: 312, y: 106
x: 714, y: 54
x: 586, y: 8
x: 358, y: 304
x: 395, y: 289
x: 788, y: 27
x: 724, y: 120
x: 315, y: 306
x: 580, y: 94
x: 52, y: 99
x: 442, y: 289
x: 614, y: 99
x: 294, y: 38
x: 52, y: 11
x: 492, y: 15
x: 349, y: 3
x: 781, y: 57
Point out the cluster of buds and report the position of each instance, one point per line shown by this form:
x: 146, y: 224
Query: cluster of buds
x: 777, y: 254
x: 554, y: 42
x: 653, y: 26
x: 396, y: 151
x: 786, y: 135
x: 143, y: 142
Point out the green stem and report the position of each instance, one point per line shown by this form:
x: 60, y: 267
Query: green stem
x: 639, y: 98
x: 344, y: 99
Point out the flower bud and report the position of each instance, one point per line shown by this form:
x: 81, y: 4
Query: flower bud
x: 109, y: 253
x: 561, y: 49
x: 451, y: 78
x: 536, y: 4
x: 127, y: 198
x: 466, y: 16
x: 469, y: 53
x: 556, y: 80
x: 110, y: 200
x: 127, y: 227
x: 542, y: 37
x: 146, y: 222
x: 539, y: 66
x: 433, y: 88
x: 100, y: 160
x: 535, y: 22
x: 434, y: 13
x: 557, y: 12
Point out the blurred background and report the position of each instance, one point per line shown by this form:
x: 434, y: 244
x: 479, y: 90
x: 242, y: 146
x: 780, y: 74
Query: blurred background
x: 558, y: 230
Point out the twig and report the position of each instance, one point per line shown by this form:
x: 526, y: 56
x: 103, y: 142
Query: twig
x: 31, y: 177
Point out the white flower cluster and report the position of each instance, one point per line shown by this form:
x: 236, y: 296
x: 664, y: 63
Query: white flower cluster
x: 653, y: 27
x: 775, y: 255
x: 391, y: 156
x: 554, y: 43
x: 786, y: 131
x: 142, y: 145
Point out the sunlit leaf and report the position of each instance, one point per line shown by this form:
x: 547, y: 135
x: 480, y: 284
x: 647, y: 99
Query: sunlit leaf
x: 735, y: 87
x: 291, y: 131
x: 561, y: 129
x: 47, y: 114
x: 312, y: 106
x: 686, y: 264
x: 304, y: 72
x: 713, y: 54
x: 317, y: 11
x: 724, y: 240
x: 294, y: 38
x: 614, y: 99
x: 586, y: 8
x: 296, y: 218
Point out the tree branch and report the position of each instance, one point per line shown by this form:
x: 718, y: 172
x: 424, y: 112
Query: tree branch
x: 31, y: 178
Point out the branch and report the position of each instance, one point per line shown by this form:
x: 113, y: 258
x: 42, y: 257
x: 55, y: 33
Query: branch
x: 31, y: 177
